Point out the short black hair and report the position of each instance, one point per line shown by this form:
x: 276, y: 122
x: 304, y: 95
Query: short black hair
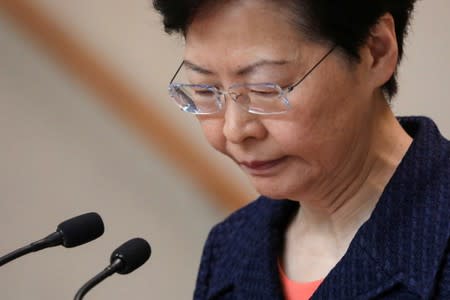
x: 345, y: 23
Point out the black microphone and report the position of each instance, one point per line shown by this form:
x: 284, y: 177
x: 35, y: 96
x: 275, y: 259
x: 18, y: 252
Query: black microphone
x: 70, y: 233
x: 125, y: 259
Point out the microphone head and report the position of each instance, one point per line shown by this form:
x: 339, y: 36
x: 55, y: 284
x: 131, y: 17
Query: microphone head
x: 132, y: 254
x: 82, y: 229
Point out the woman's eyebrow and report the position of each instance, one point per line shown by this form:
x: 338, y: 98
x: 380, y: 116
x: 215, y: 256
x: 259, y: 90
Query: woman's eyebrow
x: 196, y: 68
x: 242, y: 71
x: 260, y: 63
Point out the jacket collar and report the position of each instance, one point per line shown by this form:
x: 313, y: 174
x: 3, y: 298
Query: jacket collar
x: 401, y: 243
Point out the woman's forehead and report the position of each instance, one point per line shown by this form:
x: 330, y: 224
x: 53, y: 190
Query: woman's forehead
x: 242, y: 35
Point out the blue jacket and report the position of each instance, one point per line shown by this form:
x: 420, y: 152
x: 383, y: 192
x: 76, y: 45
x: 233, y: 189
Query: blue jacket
x: 401, y: 252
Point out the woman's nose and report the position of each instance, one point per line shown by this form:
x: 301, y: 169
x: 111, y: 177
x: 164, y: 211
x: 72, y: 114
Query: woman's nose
x: 240, y: 125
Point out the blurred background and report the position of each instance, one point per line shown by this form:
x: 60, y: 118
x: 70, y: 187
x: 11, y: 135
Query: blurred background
x: 86, y: 125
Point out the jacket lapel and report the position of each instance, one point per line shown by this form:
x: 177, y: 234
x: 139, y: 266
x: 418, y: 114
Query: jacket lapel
x: 253, y: 257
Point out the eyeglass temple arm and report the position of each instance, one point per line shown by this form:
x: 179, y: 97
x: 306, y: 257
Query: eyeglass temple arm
x: 176, y: 73
x: 311, y: 70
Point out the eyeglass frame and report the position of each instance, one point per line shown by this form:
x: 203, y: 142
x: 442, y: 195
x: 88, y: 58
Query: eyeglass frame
x: 282, y: 91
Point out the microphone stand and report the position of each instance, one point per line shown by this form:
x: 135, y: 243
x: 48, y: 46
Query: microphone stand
x: 51, y: 240
x: 108, y: 271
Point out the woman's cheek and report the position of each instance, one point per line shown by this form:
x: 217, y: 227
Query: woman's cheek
x: 213, y: 131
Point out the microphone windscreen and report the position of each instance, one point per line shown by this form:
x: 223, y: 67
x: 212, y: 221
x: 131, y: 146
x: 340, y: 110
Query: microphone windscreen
x: 133, y: 254
x: 81, y: 229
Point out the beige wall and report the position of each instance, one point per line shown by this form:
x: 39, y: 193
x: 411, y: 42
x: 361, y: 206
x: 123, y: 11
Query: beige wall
x: 62, y: 154
x: 424, y: 74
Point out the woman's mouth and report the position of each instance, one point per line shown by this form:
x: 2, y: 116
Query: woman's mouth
x: 262, y: 167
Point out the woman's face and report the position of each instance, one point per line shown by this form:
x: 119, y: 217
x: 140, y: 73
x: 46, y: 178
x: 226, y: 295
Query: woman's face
x: 316, y: 142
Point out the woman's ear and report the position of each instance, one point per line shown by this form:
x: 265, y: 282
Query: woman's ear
x: 381, y: 50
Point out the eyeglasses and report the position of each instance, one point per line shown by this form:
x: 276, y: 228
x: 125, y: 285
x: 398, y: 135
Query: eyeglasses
x: 260, y: 98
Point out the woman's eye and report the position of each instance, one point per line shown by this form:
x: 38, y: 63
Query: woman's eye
x: 264, y: 93
x: 204, y: 93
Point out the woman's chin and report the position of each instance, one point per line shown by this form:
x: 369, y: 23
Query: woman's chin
x: 288, y: 183
x: 273, y: 190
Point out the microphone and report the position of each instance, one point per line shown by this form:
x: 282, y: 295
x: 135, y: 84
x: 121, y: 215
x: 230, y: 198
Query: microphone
x: 70, y: 233
x: 125, y: 259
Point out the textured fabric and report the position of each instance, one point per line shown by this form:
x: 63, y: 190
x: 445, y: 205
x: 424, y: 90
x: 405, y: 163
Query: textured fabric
x: 401, y: 252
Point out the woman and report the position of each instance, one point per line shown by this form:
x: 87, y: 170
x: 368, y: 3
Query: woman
x: 297, y: 92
